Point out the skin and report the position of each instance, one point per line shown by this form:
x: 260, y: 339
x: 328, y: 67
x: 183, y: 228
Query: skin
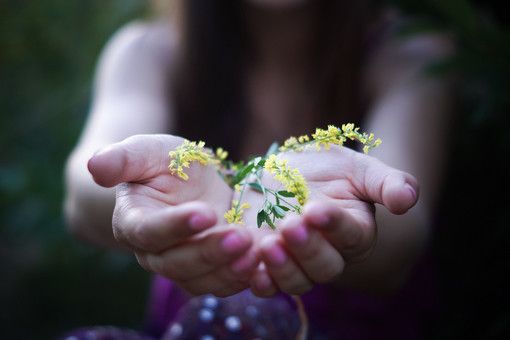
x: 176, y: 229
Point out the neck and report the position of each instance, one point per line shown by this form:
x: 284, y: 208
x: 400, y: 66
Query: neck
x: 281, y: 38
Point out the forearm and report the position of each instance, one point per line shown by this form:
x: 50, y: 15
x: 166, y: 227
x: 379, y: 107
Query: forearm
x: 88, y: 207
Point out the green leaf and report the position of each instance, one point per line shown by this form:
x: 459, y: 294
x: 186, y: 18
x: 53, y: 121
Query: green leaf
x: 279, y: 212
x: 268, y: 221
x: 284, y: 208
x: 273, y: 149
x: 261, y: 217
x: 242, y: 173
x: 285, y: 193
x: 255, y: 186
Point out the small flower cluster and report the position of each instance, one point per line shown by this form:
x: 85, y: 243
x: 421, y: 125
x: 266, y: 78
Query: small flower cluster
x: 235, y: 214
x: 186, y: 153
x: 291, y: 178
x: 333, y: 135
x: 242, y: 176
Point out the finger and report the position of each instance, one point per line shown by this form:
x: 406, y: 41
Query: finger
x: 312, y: 252
x: 226, y: 280
x: 283, y: 270
x: 353, y: 236
x: 199, y: 256
x: 377, y: 182
x: 154, y: 231
x: 135, y: 158
x: 261, y: 283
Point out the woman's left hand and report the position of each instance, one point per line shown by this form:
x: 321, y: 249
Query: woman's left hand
x: 337, y: 226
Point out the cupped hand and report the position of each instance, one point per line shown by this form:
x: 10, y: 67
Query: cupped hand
x: 337, y: 226
x: 175, y: 227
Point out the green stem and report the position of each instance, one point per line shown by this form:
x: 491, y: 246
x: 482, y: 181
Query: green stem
x: 296, y: 208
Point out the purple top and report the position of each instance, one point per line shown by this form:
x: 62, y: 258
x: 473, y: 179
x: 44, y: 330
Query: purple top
x: 333, y: 313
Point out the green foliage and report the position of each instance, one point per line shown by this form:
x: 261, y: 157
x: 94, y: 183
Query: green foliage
x: 51, y: 283
x: 481, y: 60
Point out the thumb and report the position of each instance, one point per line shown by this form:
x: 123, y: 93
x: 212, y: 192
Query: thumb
x: 397, y: 190
x: 134, y: 159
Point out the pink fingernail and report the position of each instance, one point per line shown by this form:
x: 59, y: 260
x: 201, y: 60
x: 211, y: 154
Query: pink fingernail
x: 276, y: 255
x: 298, y: 235
x: 263, y: 282
x: 411, y: 189
x: 198, y: 222
x: 233, y: 243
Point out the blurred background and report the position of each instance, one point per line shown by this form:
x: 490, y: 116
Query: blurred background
x: 50, y: 283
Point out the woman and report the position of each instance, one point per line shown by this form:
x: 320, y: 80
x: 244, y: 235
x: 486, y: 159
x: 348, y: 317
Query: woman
x: 241, y: 75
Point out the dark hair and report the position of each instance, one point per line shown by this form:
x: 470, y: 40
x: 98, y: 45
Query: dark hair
x: 208, y: 86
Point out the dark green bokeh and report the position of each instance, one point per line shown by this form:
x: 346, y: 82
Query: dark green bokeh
x: 472, y: 238
x: 50, y: 283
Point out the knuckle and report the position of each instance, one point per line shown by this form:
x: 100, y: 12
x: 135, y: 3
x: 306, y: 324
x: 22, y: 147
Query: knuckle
x: 208, y: 255
x: 130, y: 227
x: 140, y: 237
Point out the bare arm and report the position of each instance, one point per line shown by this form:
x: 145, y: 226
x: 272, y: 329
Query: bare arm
x: 411, y: 114
x: 337, y: 232
x: 129, y: 98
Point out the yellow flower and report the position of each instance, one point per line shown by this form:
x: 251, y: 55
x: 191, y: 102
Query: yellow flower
x: 186, y: 153
x: 221, y: 154
x: 235, y: 214
x: 291, y: 144
x: 291, y: 178
x: 303, y: 139
x: 332, y: 135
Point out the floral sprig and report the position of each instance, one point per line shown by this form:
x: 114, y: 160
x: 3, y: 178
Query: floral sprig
x: 235, y: 214
x: 186, y: 153
x: 333, y: 135
x: 291, y: 178
x: 248, y: 176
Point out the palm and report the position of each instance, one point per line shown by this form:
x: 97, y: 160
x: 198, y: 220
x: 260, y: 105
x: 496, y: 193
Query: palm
x: 336, y: 176
x: 163, y: 189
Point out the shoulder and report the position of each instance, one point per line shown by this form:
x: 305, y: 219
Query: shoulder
x: 387, y: 32
x: 398, y: 57
x: 142, y: 39
x: 140, y: 54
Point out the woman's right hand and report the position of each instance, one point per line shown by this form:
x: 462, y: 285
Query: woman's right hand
x: 175, y: 227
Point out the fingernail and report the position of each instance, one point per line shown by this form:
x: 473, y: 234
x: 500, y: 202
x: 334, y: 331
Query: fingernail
x: 411, y: 189
x: 263, y: 282
x: 298, y: 235
x: 233, y: 243
x: 198, y: 222
x: 276, y: 255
